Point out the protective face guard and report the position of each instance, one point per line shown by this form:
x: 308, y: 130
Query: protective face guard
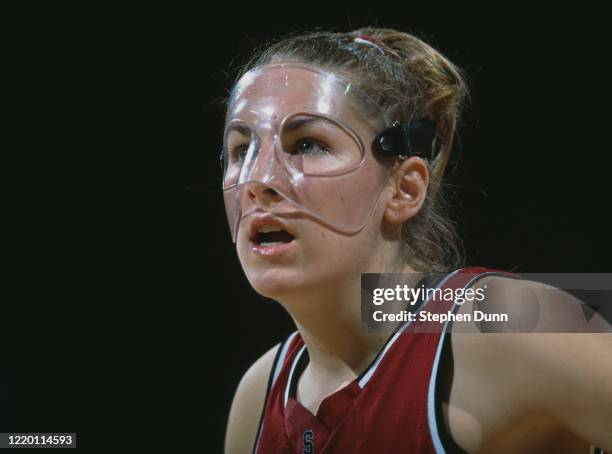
x: 295, y: 130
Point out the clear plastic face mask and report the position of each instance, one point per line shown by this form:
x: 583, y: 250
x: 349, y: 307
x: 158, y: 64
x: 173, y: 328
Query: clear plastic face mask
x: 294, y: 130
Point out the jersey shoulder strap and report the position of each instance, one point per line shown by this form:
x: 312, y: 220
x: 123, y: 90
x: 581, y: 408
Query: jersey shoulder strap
x: 277, y: 365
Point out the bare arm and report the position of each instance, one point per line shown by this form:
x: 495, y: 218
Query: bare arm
x: 574, y: 375
x: 566, y: 375
x: 247, y: 405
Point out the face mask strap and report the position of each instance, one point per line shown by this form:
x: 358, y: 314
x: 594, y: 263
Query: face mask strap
x: 403, y: 140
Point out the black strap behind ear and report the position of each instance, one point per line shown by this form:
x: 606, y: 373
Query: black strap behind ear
x: 407, y: 139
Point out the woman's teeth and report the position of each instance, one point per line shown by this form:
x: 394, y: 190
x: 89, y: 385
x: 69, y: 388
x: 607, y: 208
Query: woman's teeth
x: 269, y: 236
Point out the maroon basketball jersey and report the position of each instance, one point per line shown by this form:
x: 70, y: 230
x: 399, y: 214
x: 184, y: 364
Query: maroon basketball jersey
x: 392, y: 407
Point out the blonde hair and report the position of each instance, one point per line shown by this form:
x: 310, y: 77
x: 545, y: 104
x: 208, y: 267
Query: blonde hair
x: 408, y: 79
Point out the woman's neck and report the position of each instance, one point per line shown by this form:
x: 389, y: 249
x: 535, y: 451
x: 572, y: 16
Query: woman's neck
x: 329, y: 321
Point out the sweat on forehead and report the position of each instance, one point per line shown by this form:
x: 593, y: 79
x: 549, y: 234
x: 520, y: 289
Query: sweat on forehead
x: 272, y: 91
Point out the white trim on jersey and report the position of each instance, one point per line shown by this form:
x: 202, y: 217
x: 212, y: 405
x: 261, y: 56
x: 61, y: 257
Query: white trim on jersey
x: 290, y: 379
x: 281, y: 358
x: 259, y: 435
x: 431, y: 397
x: 374, y: 366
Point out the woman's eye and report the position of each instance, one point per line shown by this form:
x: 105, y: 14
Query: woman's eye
x: 239, y: 152
x: 310, y: 147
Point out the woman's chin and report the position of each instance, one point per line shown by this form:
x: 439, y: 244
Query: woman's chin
x: 276, y: 283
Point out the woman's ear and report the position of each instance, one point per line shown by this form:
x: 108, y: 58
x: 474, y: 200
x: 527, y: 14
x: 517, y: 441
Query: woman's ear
x: 409, y: 184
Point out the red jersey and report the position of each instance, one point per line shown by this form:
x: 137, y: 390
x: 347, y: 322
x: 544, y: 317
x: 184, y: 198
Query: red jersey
x: 393, y: 406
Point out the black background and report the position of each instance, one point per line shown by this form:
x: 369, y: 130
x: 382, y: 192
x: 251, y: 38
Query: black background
x: 130, y: 320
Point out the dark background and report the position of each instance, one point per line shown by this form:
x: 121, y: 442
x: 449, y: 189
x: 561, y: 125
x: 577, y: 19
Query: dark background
x: 129, y: 320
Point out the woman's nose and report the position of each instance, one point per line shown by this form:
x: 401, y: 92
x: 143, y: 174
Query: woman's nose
x: 262, y: 193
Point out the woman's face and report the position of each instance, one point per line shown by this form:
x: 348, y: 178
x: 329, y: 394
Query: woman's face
x: 303, y: 190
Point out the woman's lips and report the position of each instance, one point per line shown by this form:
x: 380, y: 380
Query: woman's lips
x: 269, y: 236
x: 271, y: 249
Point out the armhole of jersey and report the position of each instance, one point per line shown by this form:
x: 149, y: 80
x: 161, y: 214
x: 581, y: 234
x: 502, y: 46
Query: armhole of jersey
x: 443, y: 442
x: 277, y: 365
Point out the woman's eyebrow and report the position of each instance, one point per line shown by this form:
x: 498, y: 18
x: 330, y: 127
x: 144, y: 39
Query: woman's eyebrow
x: 299, y: 122
x: 289, y: 127
x: 242, y: 129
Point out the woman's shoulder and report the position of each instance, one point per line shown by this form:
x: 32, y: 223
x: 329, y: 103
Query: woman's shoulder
x: 538, y: 319
x: 248, y: 404
x: 531, y: 306
x: 533, y: 366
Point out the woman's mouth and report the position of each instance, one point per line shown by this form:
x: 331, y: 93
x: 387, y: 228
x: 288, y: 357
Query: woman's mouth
x: 271, y: 240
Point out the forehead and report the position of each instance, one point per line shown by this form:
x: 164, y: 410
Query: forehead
x: 270, y: 92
